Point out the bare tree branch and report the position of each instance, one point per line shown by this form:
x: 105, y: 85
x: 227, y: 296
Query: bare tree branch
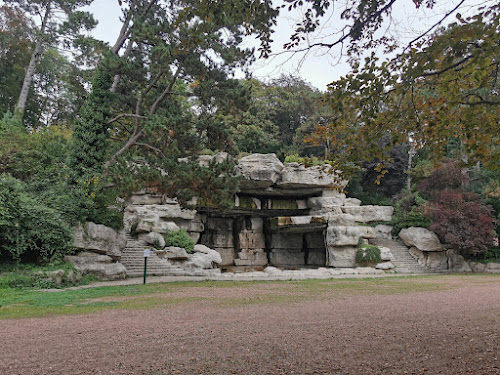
x: 116, y: 80
x: 434, y: 26
x: 441, y: 71
x: 131, y: 141
x: 116, y: 118
x: 150, y: 147
x: 167, y: 91
x: 124, y: 31
x: 126, y: 28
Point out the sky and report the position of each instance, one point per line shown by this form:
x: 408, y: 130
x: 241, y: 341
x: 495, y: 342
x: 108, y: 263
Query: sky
x: 318, y: 67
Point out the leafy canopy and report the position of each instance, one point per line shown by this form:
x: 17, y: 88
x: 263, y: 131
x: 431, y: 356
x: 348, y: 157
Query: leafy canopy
x: 445, y: 87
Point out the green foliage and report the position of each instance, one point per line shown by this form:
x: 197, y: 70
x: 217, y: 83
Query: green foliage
x: 38, y: 203
x: 31, y: 50
x: 367, y: 255
x: 355, y: 190
x: 180, y: 238
x: 254, y: 138
x: 307, y: 161
x: 29, y: 229
x: 491, y: 255
x: 279, y: 116
x: 410, y: 211
x: 443, y: 89
x: 52, y: 275
x: 90, y: 149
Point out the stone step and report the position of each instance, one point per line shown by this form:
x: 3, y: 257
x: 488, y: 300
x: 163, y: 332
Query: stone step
x: 133, y: 260
x: 403, y: 261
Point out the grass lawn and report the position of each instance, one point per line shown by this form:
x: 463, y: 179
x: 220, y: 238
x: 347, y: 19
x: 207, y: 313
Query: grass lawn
x: 28, y: 302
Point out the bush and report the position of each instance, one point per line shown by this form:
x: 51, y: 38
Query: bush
x: 180, y: 238
x: 40, y: 277
x: 368, y: 255
x: 410, y: 211
x: 30, y: 230
x: 463, y: 221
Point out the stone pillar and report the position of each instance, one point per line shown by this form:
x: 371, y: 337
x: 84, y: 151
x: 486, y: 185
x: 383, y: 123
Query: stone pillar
x: 251, y: 243
x: 218, y: 235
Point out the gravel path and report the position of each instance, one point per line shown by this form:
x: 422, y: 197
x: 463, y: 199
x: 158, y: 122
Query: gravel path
x: 455, y: 331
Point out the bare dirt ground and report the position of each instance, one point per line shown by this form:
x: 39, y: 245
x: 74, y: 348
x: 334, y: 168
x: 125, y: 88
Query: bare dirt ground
x: 452, y: 331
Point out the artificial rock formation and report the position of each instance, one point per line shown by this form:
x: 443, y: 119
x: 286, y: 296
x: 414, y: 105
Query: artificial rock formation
x: 287, y: 216
x: 430, y: 252
x: 99, y: 239
x: 101, y: 266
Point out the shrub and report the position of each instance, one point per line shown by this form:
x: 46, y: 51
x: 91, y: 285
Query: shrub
x: 463, y: 221
x: 180, y: 238
x: 40, y: 277
x: 29, y: 229
x: 368, y: 255
x: 410, y: 211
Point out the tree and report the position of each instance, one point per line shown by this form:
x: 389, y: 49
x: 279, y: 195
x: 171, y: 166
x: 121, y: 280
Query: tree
x: 15, y: 48
x: 445, y: 88
x: 61, y: 22
x: 459, y: 217
x: 157, y: 89
x: 277, y: 116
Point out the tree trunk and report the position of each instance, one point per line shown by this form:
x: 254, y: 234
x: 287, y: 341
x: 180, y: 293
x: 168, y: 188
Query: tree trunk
x: 30, y: 71
x: 411, y: 153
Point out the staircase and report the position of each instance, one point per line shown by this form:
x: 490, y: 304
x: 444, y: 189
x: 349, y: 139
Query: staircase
x: 133, y: 260
x: 403, y: 261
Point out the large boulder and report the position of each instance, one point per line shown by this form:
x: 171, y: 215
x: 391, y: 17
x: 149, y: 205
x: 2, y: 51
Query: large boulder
x: 158, y: 212
x: 384, y: 266
x: 385, y: 253
x: 342, y: 256
x: 436, y: 260
x: 146, y: 226
x: 205, y: 160
x: 384, y: 231
x: 347, y: 235
x: 336, y: 218
x: 143, y: 198
x: 100, y: 239
x: 418, y: 255
x: 173, y: 253
x: 298, y: 176
x: 259, y: 170
x: 348, y: 202
x: 421, y: 238
x: 155, y: 239
x: 100, y: 266
x: 367, y: 214
x: 327, y: 204
x: 456, y: 262
x: 211, y: 255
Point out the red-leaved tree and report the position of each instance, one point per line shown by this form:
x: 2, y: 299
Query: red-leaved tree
x: 463, y: 221
x: 459, y: 218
